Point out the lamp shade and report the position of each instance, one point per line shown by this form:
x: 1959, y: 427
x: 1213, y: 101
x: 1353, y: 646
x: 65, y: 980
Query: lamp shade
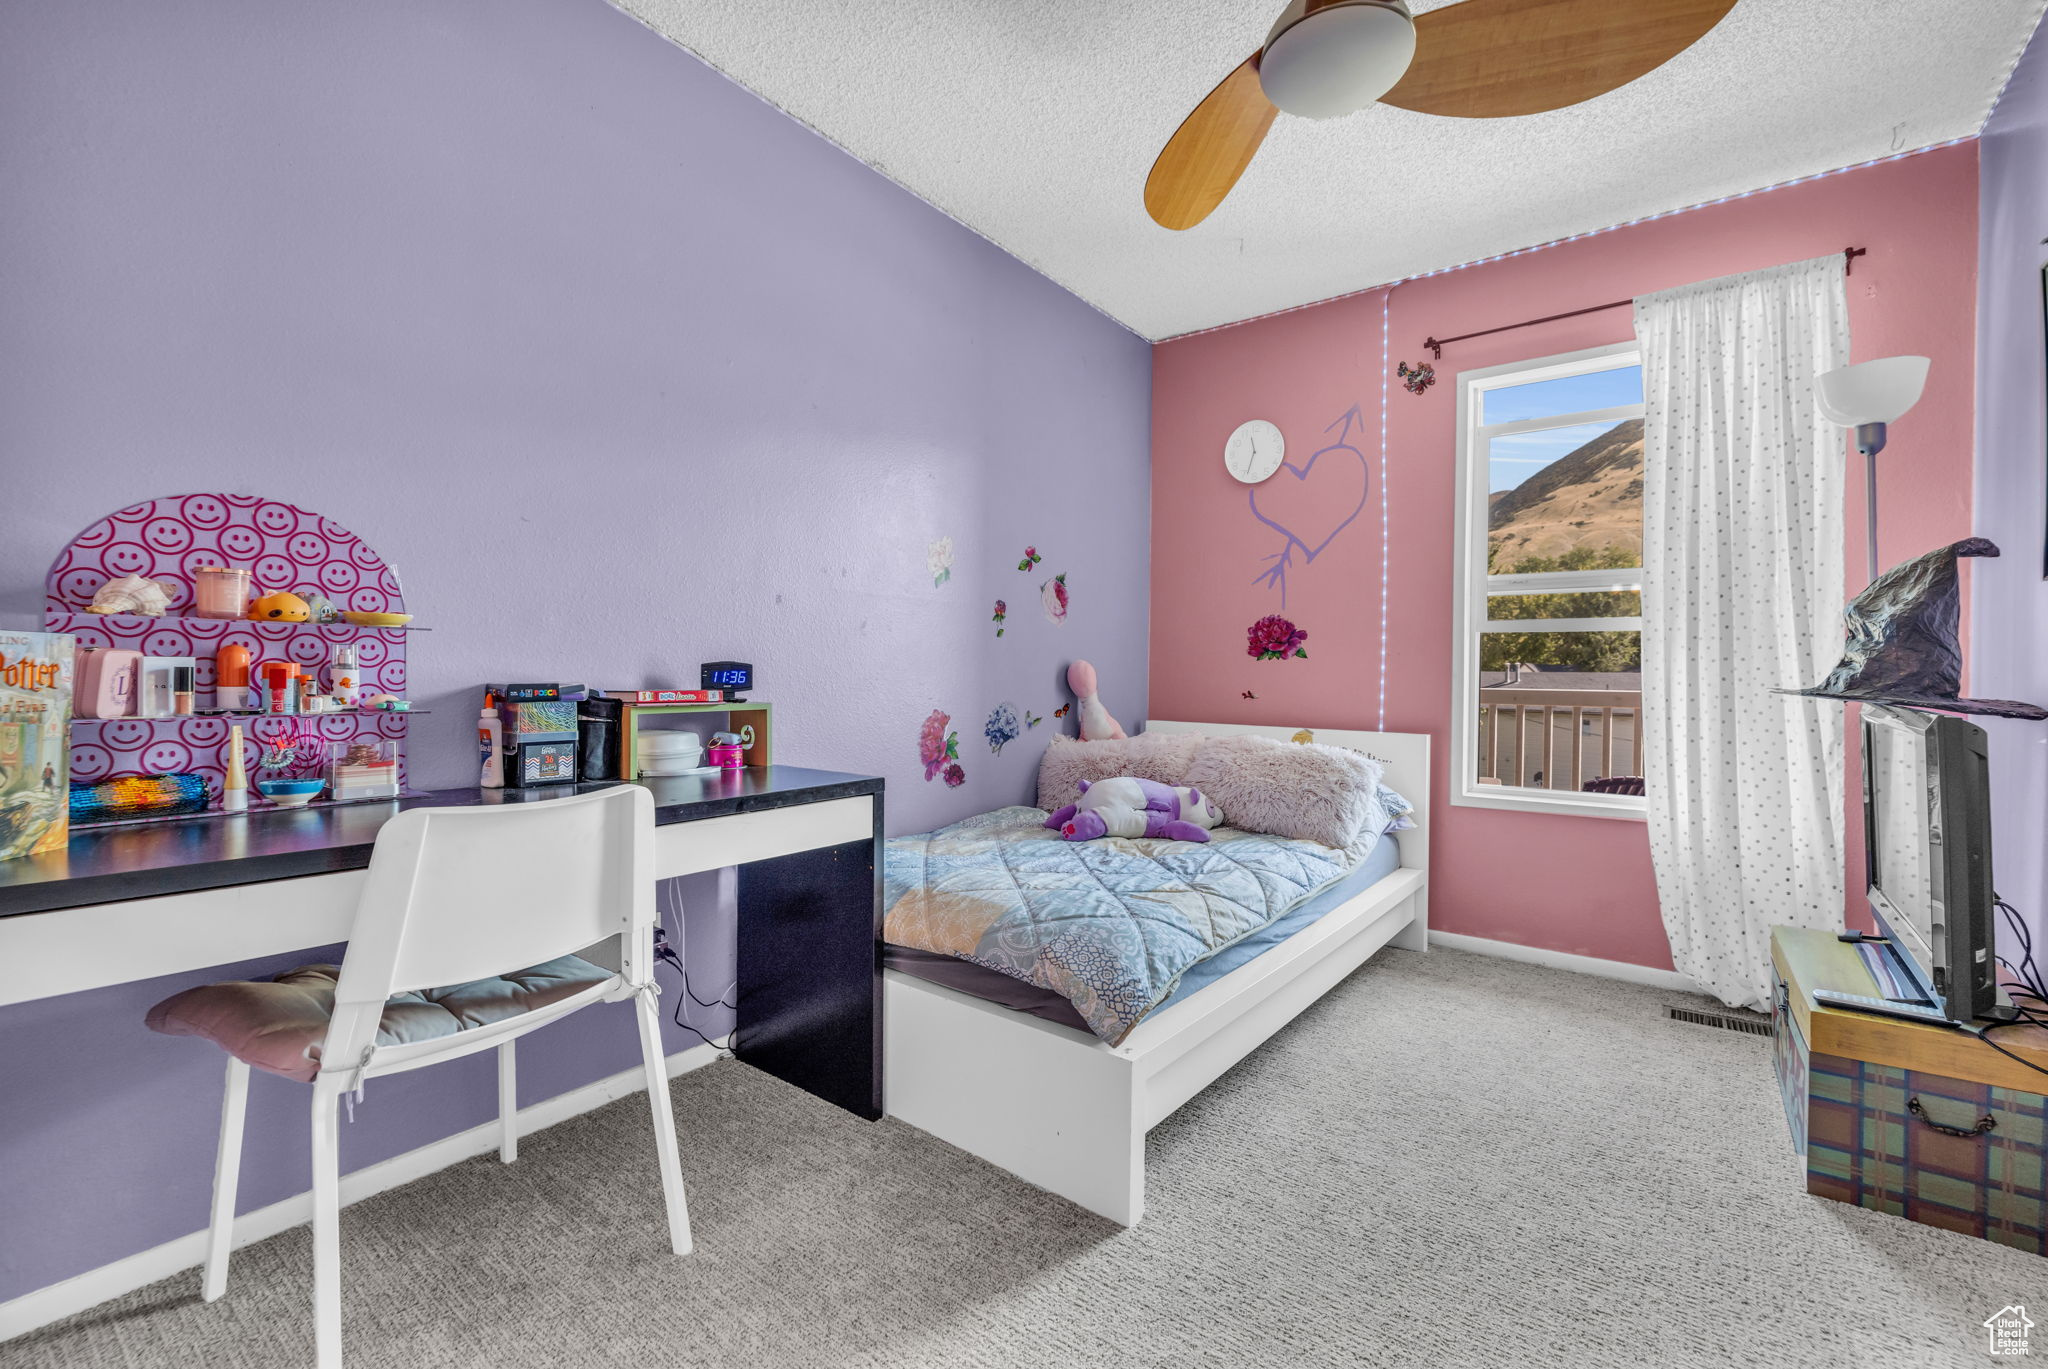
x: 1871, y: 391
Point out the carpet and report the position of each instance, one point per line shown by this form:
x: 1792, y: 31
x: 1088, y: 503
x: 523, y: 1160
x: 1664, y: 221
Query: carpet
x: 1450, y: 1160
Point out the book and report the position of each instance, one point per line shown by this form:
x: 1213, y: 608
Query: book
x: 35, y: 742
x: 666, y: 696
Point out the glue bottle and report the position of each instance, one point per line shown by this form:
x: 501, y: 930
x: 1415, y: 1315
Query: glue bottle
x: 490, y: 744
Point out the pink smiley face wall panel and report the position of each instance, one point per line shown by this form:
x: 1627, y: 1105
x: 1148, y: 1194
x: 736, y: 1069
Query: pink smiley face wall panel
x: 284, y: 548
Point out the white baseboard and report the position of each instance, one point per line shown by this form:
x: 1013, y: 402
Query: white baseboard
x: 45, y: 1305
x: 1559, y: 960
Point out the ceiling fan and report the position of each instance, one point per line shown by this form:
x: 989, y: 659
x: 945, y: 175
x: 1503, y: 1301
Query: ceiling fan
x: 1481, y: 59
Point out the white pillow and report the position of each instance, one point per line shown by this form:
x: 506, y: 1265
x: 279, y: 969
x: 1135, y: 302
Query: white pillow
x: 1319, y: 793
x: 1162, y: 757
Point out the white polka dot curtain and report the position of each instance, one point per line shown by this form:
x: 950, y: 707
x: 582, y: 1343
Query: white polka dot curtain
x: 1742, y: 594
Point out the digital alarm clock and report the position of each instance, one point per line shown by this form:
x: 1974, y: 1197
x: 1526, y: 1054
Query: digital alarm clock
x: 734, y: 677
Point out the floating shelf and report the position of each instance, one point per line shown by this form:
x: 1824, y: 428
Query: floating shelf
x: 258, y: 807
x: 134, y: 620
x: 233, y: 718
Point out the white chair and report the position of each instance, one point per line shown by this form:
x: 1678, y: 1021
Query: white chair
x: 468, y: 894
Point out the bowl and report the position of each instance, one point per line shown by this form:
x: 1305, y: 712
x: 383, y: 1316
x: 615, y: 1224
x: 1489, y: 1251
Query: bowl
x: 363, y: 619
x: 290, y: 793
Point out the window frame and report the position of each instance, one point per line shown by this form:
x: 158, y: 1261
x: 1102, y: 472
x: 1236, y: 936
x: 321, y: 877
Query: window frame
x: 1472, y: 586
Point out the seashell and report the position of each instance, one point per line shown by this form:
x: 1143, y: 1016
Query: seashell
x: 132, y: 594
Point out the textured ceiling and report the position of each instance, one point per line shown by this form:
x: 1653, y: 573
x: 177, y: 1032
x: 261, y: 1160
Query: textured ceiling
x: 1034, y: 124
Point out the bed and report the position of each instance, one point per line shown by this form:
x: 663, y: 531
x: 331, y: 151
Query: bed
x: 1055, y: 1104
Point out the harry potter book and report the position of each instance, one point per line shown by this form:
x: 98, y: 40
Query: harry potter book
x: 35, y: 741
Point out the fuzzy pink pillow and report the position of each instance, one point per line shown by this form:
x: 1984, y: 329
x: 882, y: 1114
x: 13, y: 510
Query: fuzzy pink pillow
x: 1290, y: 789
x: 1162, y: 757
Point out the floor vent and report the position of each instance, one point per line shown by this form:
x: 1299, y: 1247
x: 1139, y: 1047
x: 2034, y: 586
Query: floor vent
x: 1727, y: 1021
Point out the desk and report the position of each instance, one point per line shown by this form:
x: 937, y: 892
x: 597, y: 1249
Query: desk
x: 129, y: 903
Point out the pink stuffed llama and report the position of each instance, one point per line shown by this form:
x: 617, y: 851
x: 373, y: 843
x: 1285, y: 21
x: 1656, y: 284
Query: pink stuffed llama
x: 1096, y: 724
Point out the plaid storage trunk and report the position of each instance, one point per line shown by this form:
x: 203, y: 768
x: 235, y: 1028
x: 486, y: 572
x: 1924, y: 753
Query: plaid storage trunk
x: 1867, y: 1144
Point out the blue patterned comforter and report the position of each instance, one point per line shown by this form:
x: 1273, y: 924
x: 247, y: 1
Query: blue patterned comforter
x: 1111, y: 925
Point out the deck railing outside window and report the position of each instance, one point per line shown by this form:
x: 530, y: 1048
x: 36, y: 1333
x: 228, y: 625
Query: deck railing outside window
x: 1558, y: 738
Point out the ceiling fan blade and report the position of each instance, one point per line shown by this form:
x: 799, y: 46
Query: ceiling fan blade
x: 1210, y: 150
x: 1491, y: 59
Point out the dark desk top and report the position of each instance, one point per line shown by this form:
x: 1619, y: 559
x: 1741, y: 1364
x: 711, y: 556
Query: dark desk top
x: 147, y: 859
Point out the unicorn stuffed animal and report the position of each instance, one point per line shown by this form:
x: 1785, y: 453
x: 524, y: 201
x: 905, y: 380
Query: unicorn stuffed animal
x: 1129, y: 807
x: 1096, y: 723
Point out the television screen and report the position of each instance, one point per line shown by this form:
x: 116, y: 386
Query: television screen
x: 1927, y: 830
x: 1905, y: 837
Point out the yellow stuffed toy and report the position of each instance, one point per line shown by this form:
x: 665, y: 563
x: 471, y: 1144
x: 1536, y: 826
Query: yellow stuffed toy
x: 280, y: 608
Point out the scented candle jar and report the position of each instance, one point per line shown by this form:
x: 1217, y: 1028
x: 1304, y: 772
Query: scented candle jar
x: 220, y: 591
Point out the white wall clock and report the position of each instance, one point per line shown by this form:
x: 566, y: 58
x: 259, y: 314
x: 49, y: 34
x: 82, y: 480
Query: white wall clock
x: 1254, y: 451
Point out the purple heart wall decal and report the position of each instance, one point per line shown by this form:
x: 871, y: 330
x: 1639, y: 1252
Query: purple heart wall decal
x: 1311, y: 503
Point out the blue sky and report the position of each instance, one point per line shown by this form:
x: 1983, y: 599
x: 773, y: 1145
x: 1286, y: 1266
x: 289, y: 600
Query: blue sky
x: 1514, y: 459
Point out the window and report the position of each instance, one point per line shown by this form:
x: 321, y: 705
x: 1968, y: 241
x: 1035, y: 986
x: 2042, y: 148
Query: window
x: 1548, y: 646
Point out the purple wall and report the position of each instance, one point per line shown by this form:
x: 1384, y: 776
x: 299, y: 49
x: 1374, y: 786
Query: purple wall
x: 2009, y: 598
x: 619, y: 366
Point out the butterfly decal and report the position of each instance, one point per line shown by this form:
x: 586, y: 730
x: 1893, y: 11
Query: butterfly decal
x: 1031, y: 720
x: 1249, y: 695
x: 1061, y: 711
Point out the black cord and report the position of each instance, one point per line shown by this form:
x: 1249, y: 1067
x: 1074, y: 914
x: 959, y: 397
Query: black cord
x: 721, y: 1047
x: 664, y: 951
x: 667, y: 954
x: 2026, y: 972
x: 1984, y: 1034
x: 2027, y: 1017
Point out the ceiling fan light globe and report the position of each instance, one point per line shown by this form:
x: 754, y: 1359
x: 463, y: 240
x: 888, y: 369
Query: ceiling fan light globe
x: 1326, y: 60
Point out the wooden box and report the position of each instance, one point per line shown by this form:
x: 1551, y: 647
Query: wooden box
x: 757, y: 715
x: 1920, y: 1121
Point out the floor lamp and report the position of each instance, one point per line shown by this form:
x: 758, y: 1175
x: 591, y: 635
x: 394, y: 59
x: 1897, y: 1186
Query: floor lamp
x: 1866, y: 397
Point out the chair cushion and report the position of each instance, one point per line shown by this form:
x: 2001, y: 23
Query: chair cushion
x: 278, y: 1025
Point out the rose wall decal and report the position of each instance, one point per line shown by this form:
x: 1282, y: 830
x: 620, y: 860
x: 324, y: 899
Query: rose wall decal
x: 1273, y: 638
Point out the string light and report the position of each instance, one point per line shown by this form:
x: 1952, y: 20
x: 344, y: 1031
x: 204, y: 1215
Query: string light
x: 1386, y: 342
x: 1576, y: 237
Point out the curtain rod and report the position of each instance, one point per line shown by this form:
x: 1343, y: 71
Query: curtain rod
x: 1437, y: 345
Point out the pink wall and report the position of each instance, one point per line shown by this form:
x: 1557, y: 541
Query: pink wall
x: 1579, y: 885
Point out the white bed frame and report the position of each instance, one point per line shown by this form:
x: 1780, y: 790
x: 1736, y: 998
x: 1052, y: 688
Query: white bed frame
x: 1062, y: 1109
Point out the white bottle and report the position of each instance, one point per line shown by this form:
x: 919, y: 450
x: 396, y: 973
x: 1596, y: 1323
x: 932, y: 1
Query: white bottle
x: 490, y: 745
x: 346, y: 678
